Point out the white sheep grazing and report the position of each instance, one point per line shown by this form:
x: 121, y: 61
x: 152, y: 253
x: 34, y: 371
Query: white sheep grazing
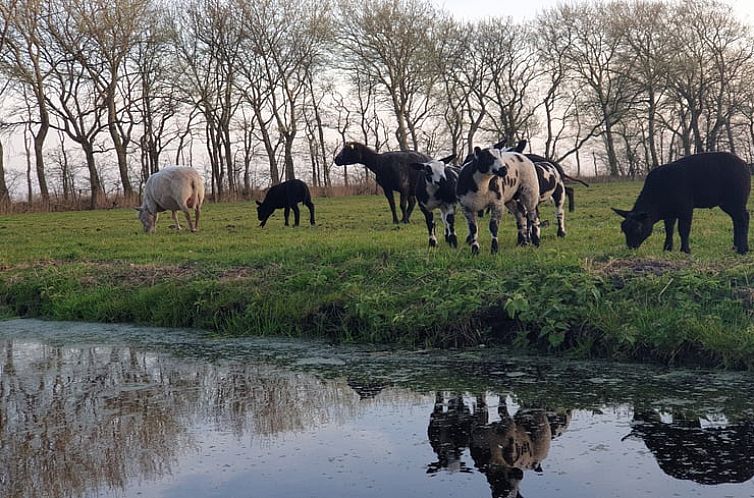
x: 174, y: 188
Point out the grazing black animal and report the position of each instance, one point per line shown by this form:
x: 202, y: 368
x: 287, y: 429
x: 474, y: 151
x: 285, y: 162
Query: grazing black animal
x: 392, y: 171
x: 672, y: 191
x: 436, y: 189
x: 286, y: 195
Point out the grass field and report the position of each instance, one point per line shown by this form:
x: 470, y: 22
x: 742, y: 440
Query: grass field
x: 357, y: 277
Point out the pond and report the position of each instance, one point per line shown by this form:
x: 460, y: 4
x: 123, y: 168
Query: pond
x: 124, y: 411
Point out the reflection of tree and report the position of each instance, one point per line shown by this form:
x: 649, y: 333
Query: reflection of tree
x: 74, y: 420
x: 706, y: 455
x: 501, y: 450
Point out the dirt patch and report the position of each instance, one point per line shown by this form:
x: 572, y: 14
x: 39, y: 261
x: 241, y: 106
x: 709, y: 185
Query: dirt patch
x: 142, y: 274
x: 638, y: 267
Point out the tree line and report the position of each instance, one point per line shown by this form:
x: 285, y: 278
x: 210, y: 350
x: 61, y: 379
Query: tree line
x: 104, y: 92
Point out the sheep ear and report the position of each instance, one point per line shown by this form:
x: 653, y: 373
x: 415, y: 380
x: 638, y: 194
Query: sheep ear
x: 139, y: 209
x: 477, y: 151
x: 622, y: 213
x: 258, y: 203
x: 446, y: 160
x: 521, y: 145
x: 417, y: 166
x: 500, y: 144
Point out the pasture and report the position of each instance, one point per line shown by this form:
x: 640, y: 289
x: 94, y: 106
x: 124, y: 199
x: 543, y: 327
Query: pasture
x: 356, y: 276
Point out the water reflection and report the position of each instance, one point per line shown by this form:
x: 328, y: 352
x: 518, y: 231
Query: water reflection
x: 151, y: 416
x: 720, y: 452
x: 73, y: 420
x: 502, y: 450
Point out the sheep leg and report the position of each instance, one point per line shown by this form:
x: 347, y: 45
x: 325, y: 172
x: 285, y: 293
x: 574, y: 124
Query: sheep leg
x: 473, y: 231
x: 532, y: 225
x: 559, y: 200
x: 521, y: 224
x: 741, y: 227
x: 391, y: 202
x: 310, y: 205
x: 176, y: 225
x: 404, y: 207
x: 669, y: 227
x: 410, y: 209
x: 684, y: 230
x: 287, y: 214
x: 296, y: 215
x: 429, y: 218
x: 449, y: 219
x: 740, y: 219
x: 495, y: 218
x: 191, y: 226
x: 197, y: 212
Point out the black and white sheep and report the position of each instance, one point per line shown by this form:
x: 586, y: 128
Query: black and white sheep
x: 494, y: 179
x: 436, y: 189
x: 392, y: 171
x: 672, y: 191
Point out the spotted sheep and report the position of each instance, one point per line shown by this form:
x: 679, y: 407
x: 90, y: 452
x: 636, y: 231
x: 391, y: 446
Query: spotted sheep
x: 392, y: 171
x: 174, y: 188
x: 436, y: 189
x: 672, y: 191
x: 495, y: 179
x: 551, y: 184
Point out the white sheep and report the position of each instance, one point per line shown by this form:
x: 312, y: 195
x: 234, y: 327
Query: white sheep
x: 174, y: 188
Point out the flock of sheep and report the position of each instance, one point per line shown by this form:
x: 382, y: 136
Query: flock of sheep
x: 492, y: 179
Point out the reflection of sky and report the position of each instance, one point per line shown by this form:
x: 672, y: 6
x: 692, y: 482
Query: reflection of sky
x: 326, y: 443
x: 590, y: 459
x: 384, y: 453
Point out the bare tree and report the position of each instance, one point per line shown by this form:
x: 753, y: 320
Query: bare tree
x: 288, y: 38
x: 153, y: 62
x: 28, y: 63
x: 73, y: 98
x: 591, y: 54
x: 389, y: 41
x: 207, y: 42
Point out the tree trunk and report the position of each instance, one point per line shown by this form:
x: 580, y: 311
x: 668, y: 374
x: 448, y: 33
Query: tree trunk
x: 118, y: 145
x: 97, y: 194
x: 39, y: 140
x: 612, y: 159
x: 651, y: 125
x: 290, y: 174
x: 4, y: 194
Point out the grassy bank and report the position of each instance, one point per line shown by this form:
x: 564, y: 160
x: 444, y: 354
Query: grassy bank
x: 357, y: 277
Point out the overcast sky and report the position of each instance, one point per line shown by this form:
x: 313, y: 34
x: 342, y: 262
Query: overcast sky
x: 474, y: 9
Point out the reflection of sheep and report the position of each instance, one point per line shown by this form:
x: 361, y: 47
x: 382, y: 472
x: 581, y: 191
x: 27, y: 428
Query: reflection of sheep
x: 449, y: 432
x: 501, y: 450
x: 504, y: 449
x: 685, y: 450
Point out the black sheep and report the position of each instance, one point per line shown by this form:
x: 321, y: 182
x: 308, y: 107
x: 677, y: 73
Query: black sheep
x: 286, y: 195
x: 392, y: 170
x: 672, y: 191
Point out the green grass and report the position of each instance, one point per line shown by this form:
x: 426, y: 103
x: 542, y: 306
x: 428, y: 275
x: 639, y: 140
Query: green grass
x: 357, y: 277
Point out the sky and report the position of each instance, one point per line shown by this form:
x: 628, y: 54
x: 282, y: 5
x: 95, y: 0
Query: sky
x: 475, y: 9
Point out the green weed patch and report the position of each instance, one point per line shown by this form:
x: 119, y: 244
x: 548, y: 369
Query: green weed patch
x: 357, y: 277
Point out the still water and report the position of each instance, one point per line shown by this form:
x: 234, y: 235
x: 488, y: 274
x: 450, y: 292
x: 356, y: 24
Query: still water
x: 125, y: 411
